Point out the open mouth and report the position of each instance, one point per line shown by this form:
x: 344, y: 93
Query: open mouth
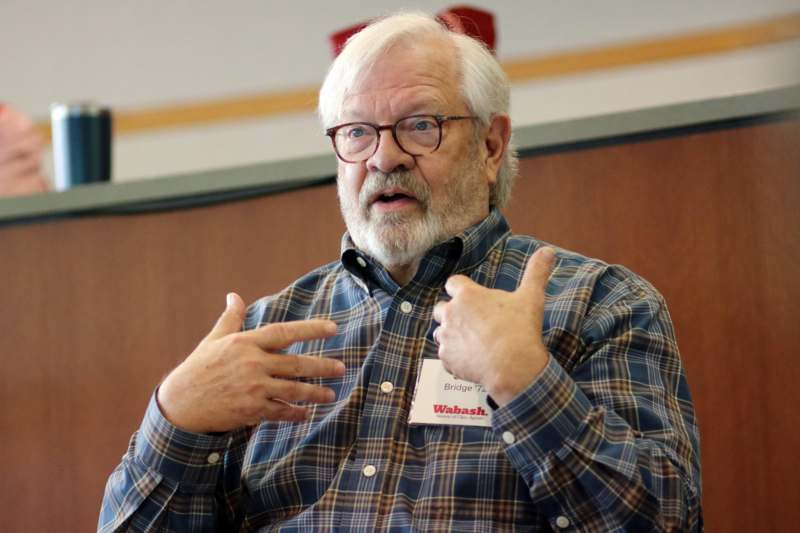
x: 393, y: 198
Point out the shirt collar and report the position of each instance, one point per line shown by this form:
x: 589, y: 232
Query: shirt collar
x: 458, y: 255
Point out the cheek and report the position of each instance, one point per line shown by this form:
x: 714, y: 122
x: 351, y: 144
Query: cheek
x: 440, y: 174
x: 351, y: 178
x: 434, y: 171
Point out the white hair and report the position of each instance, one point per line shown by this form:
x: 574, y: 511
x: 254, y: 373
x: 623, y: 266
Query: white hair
x: 484, y: 85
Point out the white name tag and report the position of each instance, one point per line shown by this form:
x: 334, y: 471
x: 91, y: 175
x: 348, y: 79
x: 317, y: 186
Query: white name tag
x: 442, y: 399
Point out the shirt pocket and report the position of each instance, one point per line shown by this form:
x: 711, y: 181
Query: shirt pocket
x: 468, y: 477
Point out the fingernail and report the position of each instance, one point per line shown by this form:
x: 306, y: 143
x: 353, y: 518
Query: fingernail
x: 330, y: 396
x: 548, y: 254
x: 331, y: 328
x: 229, y: 299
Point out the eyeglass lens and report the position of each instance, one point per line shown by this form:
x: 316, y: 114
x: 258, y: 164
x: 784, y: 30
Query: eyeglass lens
x: 415, y: 135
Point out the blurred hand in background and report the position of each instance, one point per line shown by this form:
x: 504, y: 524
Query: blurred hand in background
x: 21, y: 150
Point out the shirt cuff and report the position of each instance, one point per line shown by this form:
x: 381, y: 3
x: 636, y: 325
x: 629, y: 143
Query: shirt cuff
x: 541, y: 418
x: 193, y: 460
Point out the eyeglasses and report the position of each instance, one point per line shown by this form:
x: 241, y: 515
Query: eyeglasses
x: 416, y: 135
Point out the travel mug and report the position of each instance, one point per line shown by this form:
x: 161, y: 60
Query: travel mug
x: 81, y: 144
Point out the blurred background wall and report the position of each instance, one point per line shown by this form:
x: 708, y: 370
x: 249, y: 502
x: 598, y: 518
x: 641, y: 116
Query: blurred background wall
x: 199, y: 85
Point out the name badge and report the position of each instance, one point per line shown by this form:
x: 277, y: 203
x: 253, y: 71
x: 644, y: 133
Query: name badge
x: 442, y: 399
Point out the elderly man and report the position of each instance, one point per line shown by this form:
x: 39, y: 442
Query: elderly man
x: 352, y: 400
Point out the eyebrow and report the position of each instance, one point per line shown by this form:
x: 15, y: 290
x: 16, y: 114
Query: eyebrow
x: 356, y: 117
x: 424, y: 106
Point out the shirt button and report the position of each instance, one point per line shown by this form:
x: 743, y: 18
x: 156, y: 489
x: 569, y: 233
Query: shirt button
x: 562, y: 522
x: 509, y: 437
x: 361, y: 262
x: 387, y: 387
x: 369, y: 471
x: 213, y: 458
x: 406, y: 307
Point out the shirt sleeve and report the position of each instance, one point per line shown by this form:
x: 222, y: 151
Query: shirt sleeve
x: 612, y: 444
x: 170, y: 479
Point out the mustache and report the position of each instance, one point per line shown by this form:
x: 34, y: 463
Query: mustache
x: 405, y: 180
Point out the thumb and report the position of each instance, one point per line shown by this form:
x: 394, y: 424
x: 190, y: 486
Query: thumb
x: 537, y: 271
x: 230, y: 321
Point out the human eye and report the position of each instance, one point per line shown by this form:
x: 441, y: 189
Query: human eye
x: 355, y: 131
x: 422, y: 124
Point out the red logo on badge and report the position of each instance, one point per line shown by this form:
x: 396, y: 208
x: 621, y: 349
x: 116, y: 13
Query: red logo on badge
x: 441, y: 408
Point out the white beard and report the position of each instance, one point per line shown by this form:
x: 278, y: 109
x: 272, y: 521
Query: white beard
x: 398, y: 239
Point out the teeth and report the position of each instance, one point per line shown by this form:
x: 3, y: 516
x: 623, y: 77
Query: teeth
x: 390, y: 195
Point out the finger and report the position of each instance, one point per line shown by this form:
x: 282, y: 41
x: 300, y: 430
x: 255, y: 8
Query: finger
x: 296, y: 391
x: 41, y: 184
x: 281, y: 334
x: 277, y: 410
x: 303, y: 366
x: 456, y: 284
x: 22, y: 186
x: 230, y: 321
x: 438, y: 311
x: 537, y: 271
x: 19, y: 167
x: 435, y: 334
x: 13, y: 124
x: 29, y: 145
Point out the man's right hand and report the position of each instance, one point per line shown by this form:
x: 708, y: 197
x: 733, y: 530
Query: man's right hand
x: 234, y: 379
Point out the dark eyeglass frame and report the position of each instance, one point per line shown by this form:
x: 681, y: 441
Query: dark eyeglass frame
x: 440, y: 120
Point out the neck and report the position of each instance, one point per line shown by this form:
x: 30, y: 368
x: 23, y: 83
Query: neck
x: 402, y: 274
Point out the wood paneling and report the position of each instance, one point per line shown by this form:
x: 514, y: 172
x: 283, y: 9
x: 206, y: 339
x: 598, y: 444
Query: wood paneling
x: 713, y: 221
x: 96, y: 309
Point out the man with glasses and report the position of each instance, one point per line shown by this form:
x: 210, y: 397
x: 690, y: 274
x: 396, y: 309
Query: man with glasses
x: 444, y: 374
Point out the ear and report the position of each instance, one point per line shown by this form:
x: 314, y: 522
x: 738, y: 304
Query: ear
x: 496, y: 142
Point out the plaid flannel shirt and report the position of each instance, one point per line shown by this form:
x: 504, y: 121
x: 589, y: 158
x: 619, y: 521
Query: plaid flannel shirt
x: 605, y: 439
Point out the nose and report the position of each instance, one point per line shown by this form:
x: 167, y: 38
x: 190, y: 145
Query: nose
x: 389, y: 157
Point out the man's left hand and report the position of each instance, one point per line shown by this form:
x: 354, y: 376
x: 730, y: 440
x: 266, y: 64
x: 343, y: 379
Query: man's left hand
x: 494, y: 337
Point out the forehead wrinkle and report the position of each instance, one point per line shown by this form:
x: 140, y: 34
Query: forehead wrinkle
x: 431, y: 81
x: 432, y: 102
